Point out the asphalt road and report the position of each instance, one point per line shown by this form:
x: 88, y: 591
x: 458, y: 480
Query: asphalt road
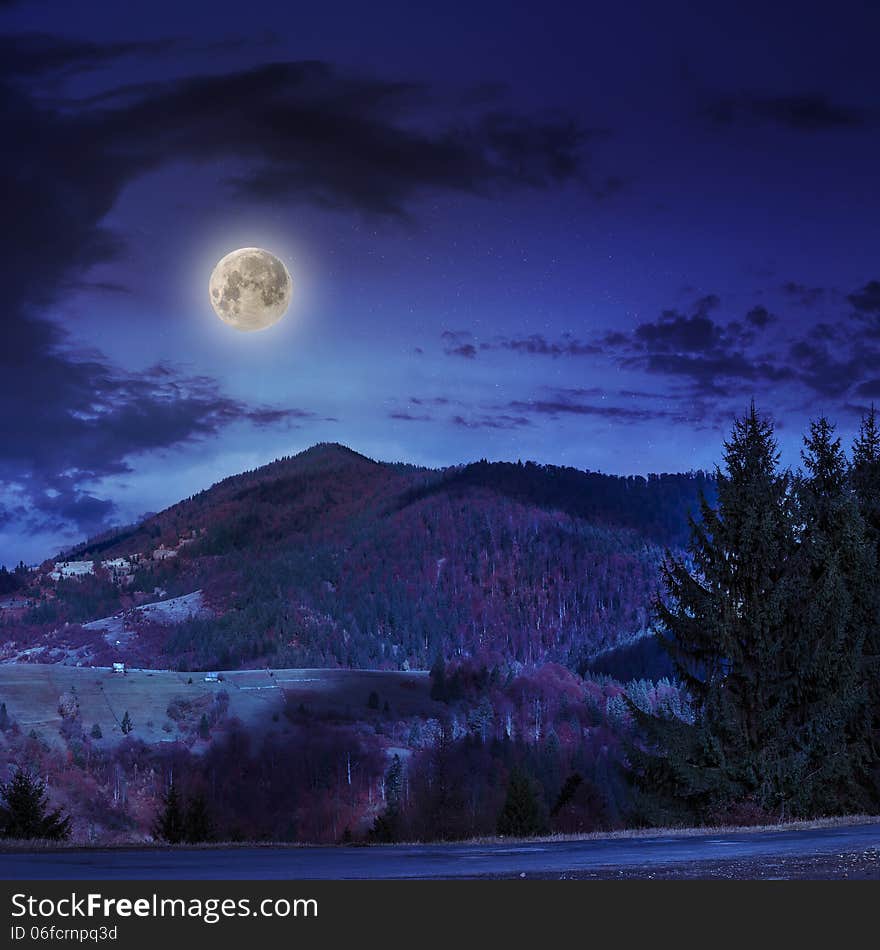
x: 431, y: 861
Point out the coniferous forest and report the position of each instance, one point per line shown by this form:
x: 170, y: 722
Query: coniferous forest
x: 771, y: 620
x: 580, y: 678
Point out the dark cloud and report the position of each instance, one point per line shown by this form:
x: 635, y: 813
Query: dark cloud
x: 269, y: 415
x: 676, y: 332
x: 429, y: 401
x: 423, y: 408
x: 461, y: 343
x: 554, y: 402
x: 30, y: 55
x: 537, y: 344
x: 458, y: 343
x: 804, y: 295
x: 491, y: 421
x: 831, y: 332
x: 70, y: 421
x: 760, y: 317
x: 626, y: 407
x: 458, y: 413
x: 564, y: 405
x: 55, y: 513
x: 810, y: 112
x: 589, y: 392
x: 704, y: 358
x: 404, y: 416
x: 867, y: 299
x: 694, y: 347
x: 641, y: 394
x: 314, y: 134
x: 722, y: 374
x: 615, y: 338
x: 828, y: 359
x: 695, y: 332
x: 299, y: 130
x: 829, y: 370
x: 710, y: 358
x: 70, y: 418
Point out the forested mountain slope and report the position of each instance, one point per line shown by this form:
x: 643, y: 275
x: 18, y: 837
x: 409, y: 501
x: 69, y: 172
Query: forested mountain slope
x: 328, y: 558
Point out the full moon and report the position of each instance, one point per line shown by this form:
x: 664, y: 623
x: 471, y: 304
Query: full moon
x: 250, y: 289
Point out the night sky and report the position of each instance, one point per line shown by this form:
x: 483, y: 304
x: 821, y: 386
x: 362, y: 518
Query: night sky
x: 581, y: 234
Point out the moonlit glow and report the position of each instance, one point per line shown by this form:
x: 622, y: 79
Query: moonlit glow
x: 250, y: 289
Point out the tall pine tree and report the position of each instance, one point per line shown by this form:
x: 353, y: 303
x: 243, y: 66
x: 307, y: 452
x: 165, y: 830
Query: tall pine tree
x: 772, y: 624
x: 726, y: 617
x: 866, y: 471
x: 828, y: 757
x: 197, y: 824
x: 866, y: 482
x: 170, y: 824
x: 521, y: 814
x: 24, y: 810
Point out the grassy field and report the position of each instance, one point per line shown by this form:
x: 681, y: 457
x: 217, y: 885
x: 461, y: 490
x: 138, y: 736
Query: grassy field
x: 256, y: 697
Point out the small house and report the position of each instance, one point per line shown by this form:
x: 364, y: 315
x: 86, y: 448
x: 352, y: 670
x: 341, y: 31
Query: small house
x: 71, y: 569
x: 212, y: 677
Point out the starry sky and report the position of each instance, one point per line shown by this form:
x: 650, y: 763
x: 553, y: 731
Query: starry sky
x: 584, y: 234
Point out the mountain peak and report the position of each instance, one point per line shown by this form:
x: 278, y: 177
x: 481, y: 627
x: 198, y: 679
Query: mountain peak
x: 330, y: 450
x: 332, y: 455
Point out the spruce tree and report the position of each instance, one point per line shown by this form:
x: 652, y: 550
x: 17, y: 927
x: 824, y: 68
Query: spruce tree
x: 725, y: 618
x: 170, y: 825
x: 24, y: 810
x: 126, y: 725
x: 198, y: 826
x: 521, y: 814
x: 866, y: 482
x: 827, y: 758
x: 866, y: 470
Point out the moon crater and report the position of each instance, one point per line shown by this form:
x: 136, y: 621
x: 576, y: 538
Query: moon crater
x: 250, y: 289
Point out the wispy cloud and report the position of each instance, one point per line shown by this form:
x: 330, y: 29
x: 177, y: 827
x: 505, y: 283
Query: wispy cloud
x: 807, y: 112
